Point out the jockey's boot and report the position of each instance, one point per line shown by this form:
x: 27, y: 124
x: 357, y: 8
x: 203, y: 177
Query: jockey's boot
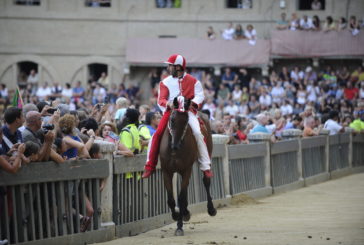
x: 147, y: 173
x: 208, y: 173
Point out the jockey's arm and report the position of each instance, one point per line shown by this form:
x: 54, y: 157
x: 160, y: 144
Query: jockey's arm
x: 199, y: 95
x: 163, y: 95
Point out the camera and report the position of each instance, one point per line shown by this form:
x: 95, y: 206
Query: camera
x: 47, y: 127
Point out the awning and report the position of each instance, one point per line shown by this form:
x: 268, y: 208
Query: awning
x: 317, y: 44
x: 198, y: 52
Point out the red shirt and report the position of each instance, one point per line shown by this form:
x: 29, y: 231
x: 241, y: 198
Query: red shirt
x: 350, y: 93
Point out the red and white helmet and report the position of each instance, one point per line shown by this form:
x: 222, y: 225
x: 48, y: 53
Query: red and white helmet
x: 177, y: 59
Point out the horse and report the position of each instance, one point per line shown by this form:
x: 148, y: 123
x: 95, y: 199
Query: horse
x: 178, y: 153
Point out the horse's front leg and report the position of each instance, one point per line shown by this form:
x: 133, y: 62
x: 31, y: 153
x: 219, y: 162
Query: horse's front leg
x: 183, y: 203
x: 169, y: 187
x: 210, y: 206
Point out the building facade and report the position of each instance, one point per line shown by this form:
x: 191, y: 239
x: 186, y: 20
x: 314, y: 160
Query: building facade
x: 71, y: 40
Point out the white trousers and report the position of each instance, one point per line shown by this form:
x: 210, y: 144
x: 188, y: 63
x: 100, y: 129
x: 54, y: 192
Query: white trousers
x: 203, y: 155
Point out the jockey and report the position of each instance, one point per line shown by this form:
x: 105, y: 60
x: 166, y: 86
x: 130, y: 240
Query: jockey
x: 179, y: 83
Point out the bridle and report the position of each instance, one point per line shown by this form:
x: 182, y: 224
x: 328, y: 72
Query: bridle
x: 170, y: 125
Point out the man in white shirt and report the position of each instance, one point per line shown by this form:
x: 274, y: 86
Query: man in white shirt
x: 228, y: 34
x: 306, y: 23
x: 43, y: 92
x: 231, y: 108
x: 332, y: 125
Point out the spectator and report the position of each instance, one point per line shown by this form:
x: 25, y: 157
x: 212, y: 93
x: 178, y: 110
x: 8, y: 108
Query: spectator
x: 306, y: 23
x: 121, y: 105
x: 56, y: 91
x: 228, y: 33
x: 33, y: 133
x: 254, y: 106
x: 231, y: 108
x: 296, y: 123
x: 209, y: 105
x: 316, y: 5
x: 251, y: 34
x: 297, y: 75
x: 265, y: 99
x: 282, y: 24
x: 229, y: 78
x: 286, y: 108
x: 332, y: 124
x: 154, y: 78
x: 243, y: 78
x: 357, y: 75
x: 210, y: 33
x: 33, y: 79
x: 98, y: 94
x: 67, y: 91
x: 277, y: 93
x: 329, y: 25
x: 342, y: 24
x: 350, y: 92
x: 74, y: 148
x: 239, y: 32
x: 236, y: 94
x: 103, y: 80
x: 316, y: 23
x: 44, y: 92
x: 78, y: 93
x: 129, y: 135
x: 108, y: 133
x: 284, y: 75
x: 294, y: 22
x: 14, y: 119
x: 217, y: 127
x: 354, y: 26
x: 308, y: 131
x: 223, y: 93
x: 152, y: 120
x: 262, y: 120
x: 4, y: 94
x: 301, y: 94
x: 358, y: 123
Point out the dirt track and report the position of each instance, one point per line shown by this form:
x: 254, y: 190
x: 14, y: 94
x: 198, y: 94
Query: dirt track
x: 327, y: 213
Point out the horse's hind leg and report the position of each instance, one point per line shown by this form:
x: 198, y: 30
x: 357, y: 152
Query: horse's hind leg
x: 210, y: 206
x: 171, y: 202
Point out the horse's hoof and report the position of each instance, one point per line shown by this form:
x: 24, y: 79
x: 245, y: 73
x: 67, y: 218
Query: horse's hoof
x: 175, y: 216
x: 187, y: 216
x: 179, y: 232
x: 212, y: 212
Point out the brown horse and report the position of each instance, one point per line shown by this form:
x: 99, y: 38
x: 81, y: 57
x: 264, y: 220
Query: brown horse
x: 178, y: 153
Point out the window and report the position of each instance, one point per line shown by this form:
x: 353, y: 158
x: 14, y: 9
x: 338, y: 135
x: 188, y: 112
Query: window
x: 168, y: 3
x: 311, y: 5
x: 167, y: 36
x: 240, y: 4
x: 27, y: 2
x: 98, y: 3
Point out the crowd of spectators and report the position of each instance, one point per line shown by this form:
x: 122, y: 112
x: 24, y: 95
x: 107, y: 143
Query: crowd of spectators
x: 66, y: 123
x: 307, y: 23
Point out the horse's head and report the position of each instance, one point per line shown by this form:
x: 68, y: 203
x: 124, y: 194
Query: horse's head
x: 178, y: 121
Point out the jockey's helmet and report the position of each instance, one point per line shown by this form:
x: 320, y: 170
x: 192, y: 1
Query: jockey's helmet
x: 177, y: 59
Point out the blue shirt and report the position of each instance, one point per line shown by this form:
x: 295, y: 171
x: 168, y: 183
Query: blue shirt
x: 14, y: 138
x: 72, y: 152
x: 151, y: 129
x: 259, y: 129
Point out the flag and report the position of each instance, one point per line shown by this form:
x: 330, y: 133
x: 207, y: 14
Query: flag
x: 17, y: 100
